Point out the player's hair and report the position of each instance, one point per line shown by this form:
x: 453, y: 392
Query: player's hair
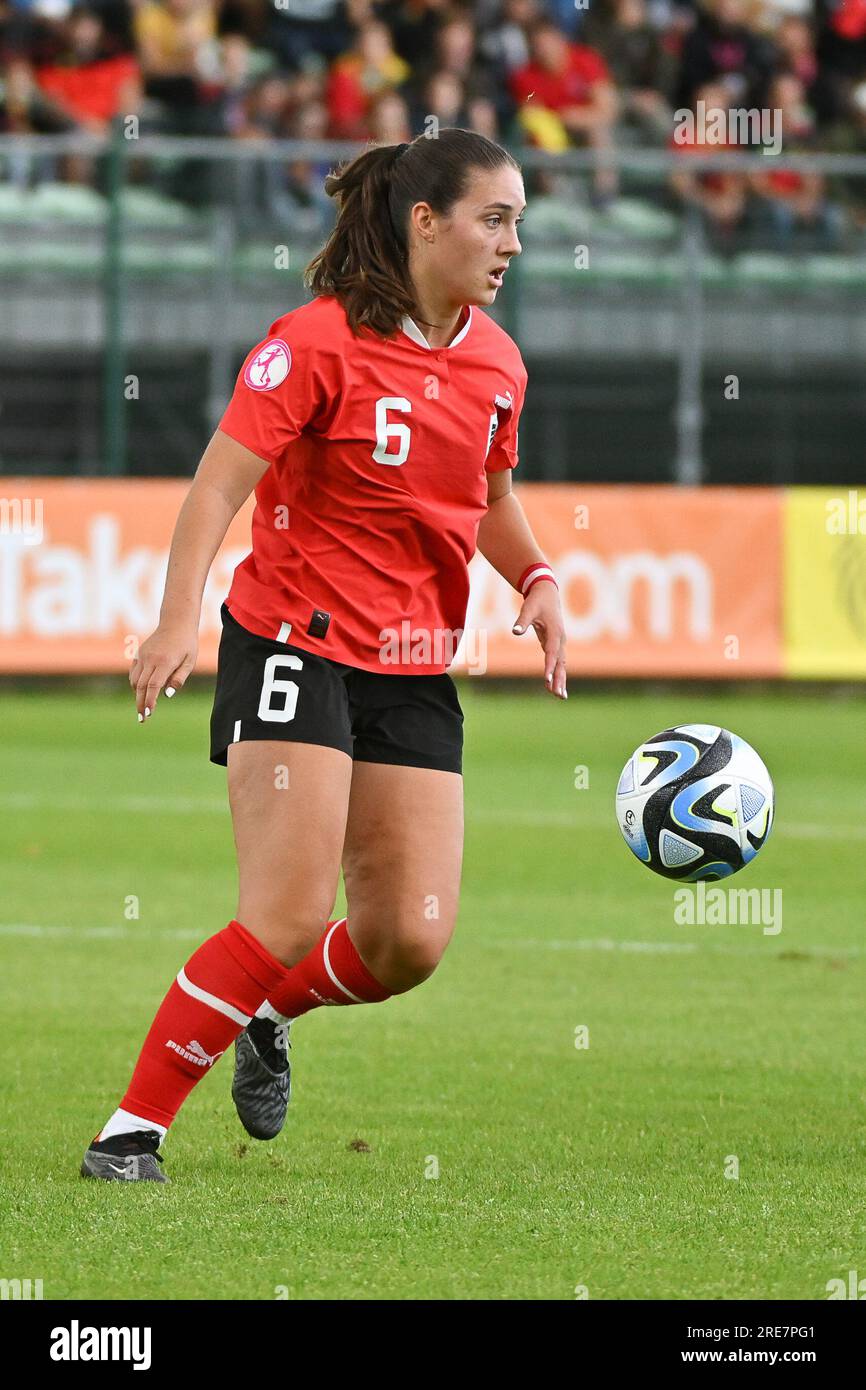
x: 365, y: 262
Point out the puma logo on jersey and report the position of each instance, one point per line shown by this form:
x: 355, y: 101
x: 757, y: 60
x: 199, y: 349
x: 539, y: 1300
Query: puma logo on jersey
x: 194, y: 1052
x: 321, y: 998
x: 271, y: 365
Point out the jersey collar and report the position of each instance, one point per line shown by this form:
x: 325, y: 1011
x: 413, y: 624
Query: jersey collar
x: 411, y: 329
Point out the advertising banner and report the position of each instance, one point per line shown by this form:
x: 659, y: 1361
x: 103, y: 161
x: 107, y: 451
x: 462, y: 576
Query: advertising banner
x: 825, y: 582
x: 655, y: 581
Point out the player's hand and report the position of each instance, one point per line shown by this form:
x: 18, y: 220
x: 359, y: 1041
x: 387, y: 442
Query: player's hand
x: 164, y: 661
x: 543, y: 611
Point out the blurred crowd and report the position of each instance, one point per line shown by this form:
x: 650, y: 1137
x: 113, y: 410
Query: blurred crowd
x: 555, y: 74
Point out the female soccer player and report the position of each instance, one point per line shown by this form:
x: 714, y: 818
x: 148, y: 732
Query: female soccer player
x: 378, y: 426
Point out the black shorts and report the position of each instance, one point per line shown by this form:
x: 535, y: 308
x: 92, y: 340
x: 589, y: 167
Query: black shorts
x: 274, y: 690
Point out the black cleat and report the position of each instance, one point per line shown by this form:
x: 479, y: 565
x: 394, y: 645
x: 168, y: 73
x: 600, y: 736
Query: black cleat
x: 125, y: 1158
x: 262, y: 1081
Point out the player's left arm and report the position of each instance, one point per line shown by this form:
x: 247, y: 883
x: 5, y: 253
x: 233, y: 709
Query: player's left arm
x: 506, y: 541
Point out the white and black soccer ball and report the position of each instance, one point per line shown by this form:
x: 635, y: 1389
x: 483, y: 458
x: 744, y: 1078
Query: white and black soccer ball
x: 695, y: 802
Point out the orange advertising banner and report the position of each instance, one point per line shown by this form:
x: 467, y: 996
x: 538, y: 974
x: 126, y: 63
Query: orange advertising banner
x: 654, y: 580
x: 82, y: 568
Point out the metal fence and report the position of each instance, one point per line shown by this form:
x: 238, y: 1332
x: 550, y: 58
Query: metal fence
x: 135, y: 273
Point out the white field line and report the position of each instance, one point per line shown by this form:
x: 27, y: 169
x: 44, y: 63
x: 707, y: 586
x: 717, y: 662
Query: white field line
x: 120, y: 932
x: 61, y: 801
x: 796, y: 831
x: 195, y: 805
x: 682, y: 947
x: 37, y: 931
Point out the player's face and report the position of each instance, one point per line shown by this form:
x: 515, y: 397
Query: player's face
x: 479, y: 238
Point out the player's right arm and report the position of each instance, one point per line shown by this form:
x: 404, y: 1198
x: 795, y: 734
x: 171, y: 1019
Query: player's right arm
x: 223, y: 481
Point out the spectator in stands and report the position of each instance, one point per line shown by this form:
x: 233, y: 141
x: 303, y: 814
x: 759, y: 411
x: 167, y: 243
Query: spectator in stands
x: 796, y: 44
x: 371, y: 66
x: 247, y: 17
x: 568, y: 17
x: 721, y: 196
x: 643, y: 68
x: 843, y: 45
x: 722, y: 46
x: 24, y: 108
x: 297, y: 191
x: 174, y: 39
x: 849, y: 137
x: 504, y: 47
x: 310, y: 32
x: 455, y: 48
x: 455, y: 55
x: 796, y: 201
x: 229, y: 83
x: 265, y: 108
x: 90, y: 83
x: 567, y: 88
x: 413, y: 25
x: 505, y: 44
x: 842, y: 52
x: 796, y: 51
x: 25, y: 32
x: 444, y: 96
x: 117, y: 17
x: 389, y: 119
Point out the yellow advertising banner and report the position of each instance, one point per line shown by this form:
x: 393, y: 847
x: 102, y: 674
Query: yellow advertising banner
x: 825, y: 582
x: 655, y: 581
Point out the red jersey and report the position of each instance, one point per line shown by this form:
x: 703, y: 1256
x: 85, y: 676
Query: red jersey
x: 379, y: 450
x: 557, y: 90
x: 93, y: 90
x: 849, y: 20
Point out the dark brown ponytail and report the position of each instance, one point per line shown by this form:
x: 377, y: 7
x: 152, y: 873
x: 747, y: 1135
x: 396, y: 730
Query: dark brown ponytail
x: 365, y: 262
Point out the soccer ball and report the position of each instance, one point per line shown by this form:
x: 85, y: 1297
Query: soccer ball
x: 695, y: 802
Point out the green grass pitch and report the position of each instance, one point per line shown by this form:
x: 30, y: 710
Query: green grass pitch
x: 558, y: 1167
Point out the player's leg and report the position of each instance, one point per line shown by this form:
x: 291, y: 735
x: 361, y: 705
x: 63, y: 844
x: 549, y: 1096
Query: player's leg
x: 403, y: 854
x: 289, y: 840
x: 289, y: 805
x: 401, y: 865
x: 402, y: 862
x: 404, y: 845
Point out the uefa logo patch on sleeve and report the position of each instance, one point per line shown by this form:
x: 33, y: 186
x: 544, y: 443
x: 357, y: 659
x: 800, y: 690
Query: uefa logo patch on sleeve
x: 271, y: 365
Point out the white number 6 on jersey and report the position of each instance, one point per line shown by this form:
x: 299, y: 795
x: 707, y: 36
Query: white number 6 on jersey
x: 271, y: 685
x: 385, y: 431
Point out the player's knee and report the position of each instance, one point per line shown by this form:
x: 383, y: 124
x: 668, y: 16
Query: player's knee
x: 407, y: 962
x: 289, y: 933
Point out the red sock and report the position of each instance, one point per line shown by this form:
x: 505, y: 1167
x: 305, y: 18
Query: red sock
x: 214, y: 996
x: 332, y: 973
